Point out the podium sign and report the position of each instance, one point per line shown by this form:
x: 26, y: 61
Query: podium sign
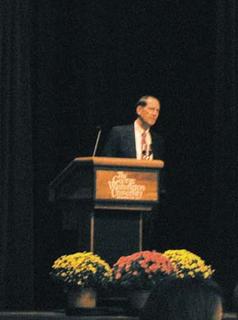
x: 126, y: 185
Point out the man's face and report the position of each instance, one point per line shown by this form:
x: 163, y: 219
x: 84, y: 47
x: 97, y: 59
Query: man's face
x: 150, y: 113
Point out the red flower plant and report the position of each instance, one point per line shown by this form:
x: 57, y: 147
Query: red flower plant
x: 142, y: 270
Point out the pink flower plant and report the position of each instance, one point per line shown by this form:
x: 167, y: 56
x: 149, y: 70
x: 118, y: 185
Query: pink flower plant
x: 142, y: 270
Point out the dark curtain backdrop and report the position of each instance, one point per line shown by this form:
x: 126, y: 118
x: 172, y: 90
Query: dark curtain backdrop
x: 17, y: 168
x: 69, y: 66
x: 224, y: 223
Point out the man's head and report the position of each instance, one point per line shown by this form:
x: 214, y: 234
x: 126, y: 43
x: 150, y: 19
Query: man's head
x: 184, y: 299
x: 147, y: 110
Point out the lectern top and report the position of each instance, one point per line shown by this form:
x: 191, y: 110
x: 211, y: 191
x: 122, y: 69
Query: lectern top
x: 128, y: 162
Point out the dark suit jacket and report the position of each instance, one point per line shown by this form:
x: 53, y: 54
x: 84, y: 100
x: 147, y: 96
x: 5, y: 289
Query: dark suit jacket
x: 121, y: 143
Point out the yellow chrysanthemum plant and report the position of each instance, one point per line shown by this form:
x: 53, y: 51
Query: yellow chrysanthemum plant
x: 82, y: 270
x: 189, y: 264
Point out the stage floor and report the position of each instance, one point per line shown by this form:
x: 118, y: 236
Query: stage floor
x: 60, y: 315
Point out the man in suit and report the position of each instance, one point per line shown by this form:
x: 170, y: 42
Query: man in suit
x: 137, y: 140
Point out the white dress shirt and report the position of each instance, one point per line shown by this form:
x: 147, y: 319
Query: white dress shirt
x: 138, y: 133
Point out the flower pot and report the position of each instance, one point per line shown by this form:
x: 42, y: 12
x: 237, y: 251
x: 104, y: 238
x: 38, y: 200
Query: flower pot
x: 81, y: 298
x: 138, y: 298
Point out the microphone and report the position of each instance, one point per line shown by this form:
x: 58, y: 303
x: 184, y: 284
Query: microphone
x: 97, y: 140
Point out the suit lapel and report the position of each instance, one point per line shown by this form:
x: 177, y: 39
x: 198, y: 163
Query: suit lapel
x: 154, y: 145
x: 128, y: 142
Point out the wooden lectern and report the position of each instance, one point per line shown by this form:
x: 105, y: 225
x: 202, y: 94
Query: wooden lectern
x: 110, y: 196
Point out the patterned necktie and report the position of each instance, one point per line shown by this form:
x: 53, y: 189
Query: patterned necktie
x: 143, y: 145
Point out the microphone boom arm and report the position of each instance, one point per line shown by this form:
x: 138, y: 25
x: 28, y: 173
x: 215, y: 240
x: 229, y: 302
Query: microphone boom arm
x: 97, y: 141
